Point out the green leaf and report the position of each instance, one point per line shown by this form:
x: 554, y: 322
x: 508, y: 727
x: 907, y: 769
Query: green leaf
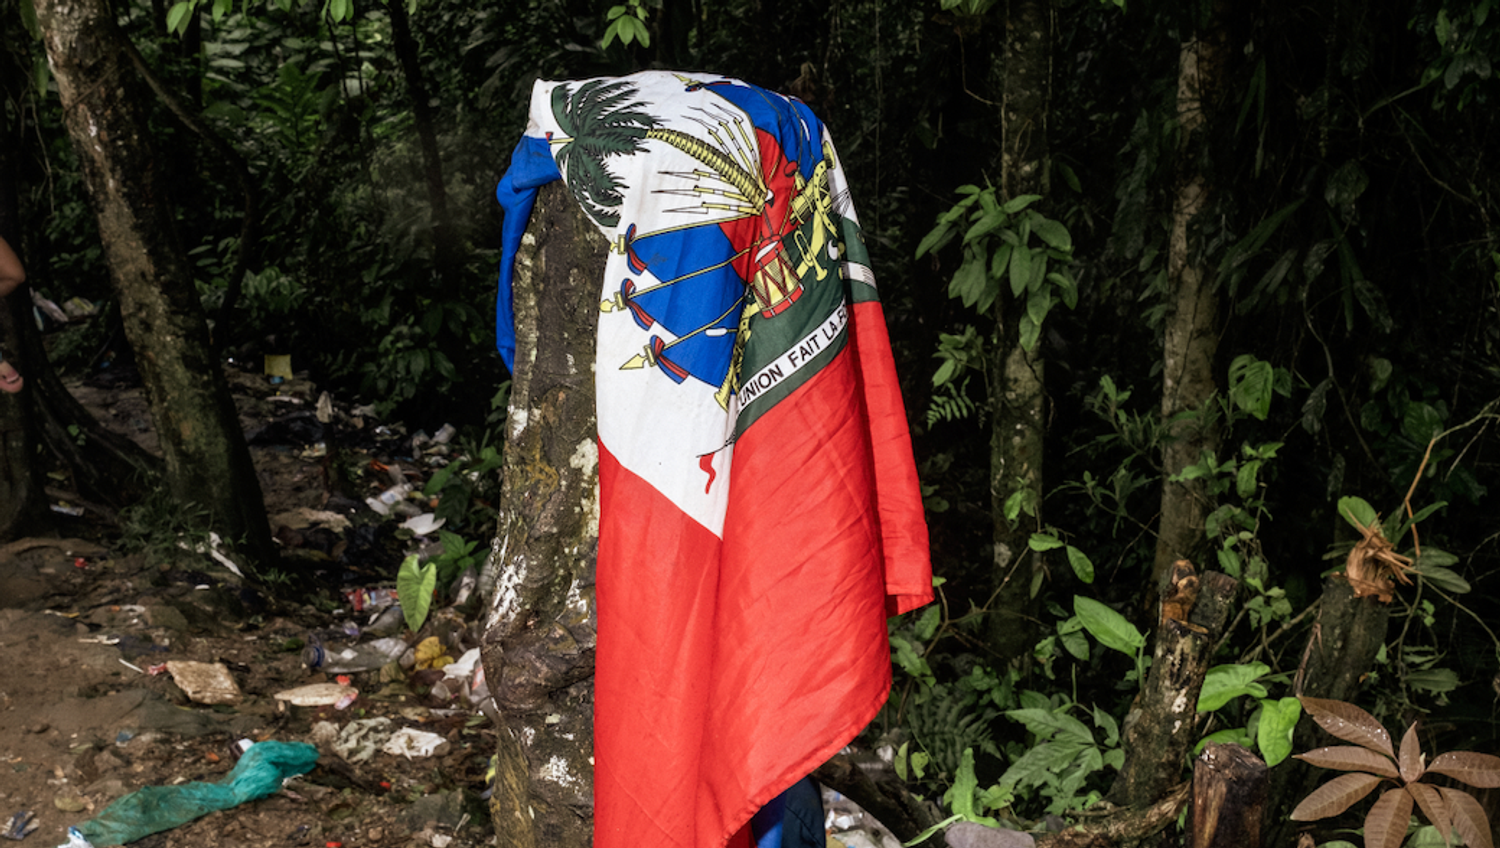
x: 1444, y: 578
x: 1031, y: 333
x: 1433, y: 680
x: 177, y: 16
x: 1082, y: 565
x: 1422, y: 422
x: 1273, y: 735
x: 1020, y: 269
x: 1109, y: 627
x: 1251, y: 384
x: 1245, y: 479
x: 1019, y: 202
x: 1357, y: 512
x: 935, y: 239
x: 414, y: 587
x: 1038, y: 305
x: 1224, y: 683
x: 1054, y: 233
x: 928, y: 623
x: 969, y: 281
x: 1068, y: 175
x: 1043, y: 542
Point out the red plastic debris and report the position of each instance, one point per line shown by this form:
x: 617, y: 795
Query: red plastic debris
x: 80, y: 562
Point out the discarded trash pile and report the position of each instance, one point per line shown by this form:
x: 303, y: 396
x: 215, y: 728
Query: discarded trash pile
x: 140, y: 690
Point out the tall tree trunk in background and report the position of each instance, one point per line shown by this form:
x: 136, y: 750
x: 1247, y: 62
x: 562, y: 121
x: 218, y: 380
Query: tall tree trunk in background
x: 444, y: 238
x: 207, y: 462
x: 1018, y: 395
x: 539, y: 638
x: 1192, y: 333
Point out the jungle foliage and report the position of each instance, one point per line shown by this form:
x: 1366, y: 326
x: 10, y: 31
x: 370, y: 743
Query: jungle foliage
x: 1352, y: 236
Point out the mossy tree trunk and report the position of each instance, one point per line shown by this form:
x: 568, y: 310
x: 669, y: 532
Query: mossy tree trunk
x: 206, y: 460
x: 1192, y: 333
x: 540, y: 634
x: 1017, y: 392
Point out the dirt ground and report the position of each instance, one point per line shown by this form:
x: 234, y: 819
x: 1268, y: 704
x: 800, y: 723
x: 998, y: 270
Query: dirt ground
x: 83, y: 720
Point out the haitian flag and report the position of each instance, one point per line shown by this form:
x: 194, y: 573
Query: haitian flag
x: 759, y: 509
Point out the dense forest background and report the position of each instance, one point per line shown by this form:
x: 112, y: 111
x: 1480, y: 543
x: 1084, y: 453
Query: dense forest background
x: 1164, y: 280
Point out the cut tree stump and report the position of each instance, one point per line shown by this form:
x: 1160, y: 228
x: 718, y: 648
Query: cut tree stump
x: 1229, y: 798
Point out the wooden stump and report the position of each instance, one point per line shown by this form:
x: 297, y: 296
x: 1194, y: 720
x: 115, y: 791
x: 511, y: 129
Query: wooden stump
x: 1229, y: 798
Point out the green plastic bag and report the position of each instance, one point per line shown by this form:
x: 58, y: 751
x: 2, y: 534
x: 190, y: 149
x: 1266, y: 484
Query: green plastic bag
x: 156, y: 808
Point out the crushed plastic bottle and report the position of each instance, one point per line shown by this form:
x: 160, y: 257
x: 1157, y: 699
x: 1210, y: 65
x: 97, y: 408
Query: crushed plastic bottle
x: 365, y: 657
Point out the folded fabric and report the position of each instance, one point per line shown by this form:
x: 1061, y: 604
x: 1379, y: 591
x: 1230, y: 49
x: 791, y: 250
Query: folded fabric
x: 759, y: 508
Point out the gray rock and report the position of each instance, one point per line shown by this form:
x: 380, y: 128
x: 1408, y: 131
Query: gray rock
x: 975, y: 835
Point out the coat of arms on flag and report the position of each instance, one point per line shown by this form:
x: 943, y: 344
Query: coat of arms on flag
x: 759, y: 508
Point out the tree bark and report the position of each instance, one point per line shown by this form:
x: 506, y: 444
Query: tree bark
x: 1017, y: 392
x: 1340, y: 651
x: 1229, y: 798
x: 540, y: 634
x: 207, y: 462
x: 1192, y: 335
x: 444, y: 246
x: 1162, y: 727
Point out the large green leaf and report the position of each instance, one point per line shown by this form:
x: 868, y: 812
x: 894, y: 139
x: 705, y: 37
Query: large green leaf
x: 1108, y: 626
x: 414, y: 585
x: 1357, y: 511
x: 1273, y: 735
x: 1251, y: 384
x: 1224, y: 683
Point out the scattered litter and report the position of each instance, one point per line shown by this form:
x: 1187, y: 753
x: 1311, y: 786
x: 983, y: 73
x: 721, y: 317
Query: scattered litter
x: 411, y: 743
x: 316, y: 695
x: 424, y: 524
x: 104, y: 639
x: 213, y: 549
x: 360, y: 739
x: 363, y: 657
x: 132, y: 666
x: 75, y: 511
x: 76, y: 840
x: 20, y: 825
x: 463, y: 667
x: 364, y: 599
x: 153, y: 809
x: 204, y: 683
x: 70, y: 803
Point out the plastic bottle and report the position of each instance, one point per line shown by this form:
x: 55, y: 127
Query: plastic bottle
x: 365, y: 657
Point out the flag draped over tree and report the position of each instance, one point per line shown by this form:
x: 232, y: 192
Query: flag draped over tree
x: 759, y: 509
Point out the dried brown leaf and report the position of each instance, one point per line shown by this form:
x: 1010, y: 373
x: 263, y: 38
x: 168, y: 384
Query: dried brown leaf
x: 1434, y: 808
x: 1350, y: 758
x: 1481, y: 770
x: 1373, y: 563
x: 1335, y: 796
x: 1349, y: 723
x: 1468, y: 817
x: 1385, y: 824
x: 1411, y: 755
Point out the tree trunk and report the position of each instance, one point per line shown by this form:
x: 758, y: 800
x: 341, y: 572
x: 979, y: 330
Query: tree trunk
x: 1340, y: 651
x: 1229, y: 798
x: 540, y: 634
x: 1017, y: 393
x: 1161, y: 727
x: 207, y: 462
x: 1192, y: 334
x: 444, y: 239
